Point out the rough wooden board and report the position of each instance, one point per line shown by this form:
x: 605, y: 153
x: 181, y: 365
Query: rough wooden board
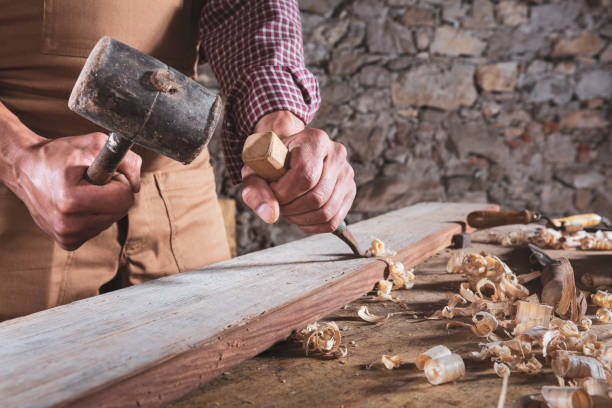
x: 148, y: 344
x: 283, y: 377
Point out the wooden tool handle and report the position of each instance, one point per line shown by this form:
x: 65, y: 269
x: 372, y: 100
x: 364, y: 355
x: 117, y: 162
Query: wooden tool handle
x: 488, y: 219
x: 578, y: 221
x: 266, y: 154
x: 105, y: 164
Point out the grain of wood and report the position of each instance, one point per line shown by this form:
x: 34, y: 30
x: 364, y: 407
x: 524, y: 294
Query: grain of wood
x: 149, y: 344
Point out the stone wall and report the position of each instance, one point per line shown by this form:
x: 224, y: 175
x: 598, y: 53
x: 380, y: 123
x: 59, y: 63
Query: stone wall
x: 500, y: 101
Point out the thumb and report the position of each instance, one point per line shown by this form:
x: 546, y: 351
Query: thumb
x: 257, y: 194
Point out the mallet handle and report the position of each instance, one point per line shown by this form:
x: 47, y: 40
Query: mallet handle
x: 103, y: 167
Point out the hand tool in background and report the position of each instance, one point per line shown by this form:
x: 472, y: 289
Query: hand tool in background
x: 141, y: 100
x: 266, y: 154
x: 488, y: 219
x: 559, y: 285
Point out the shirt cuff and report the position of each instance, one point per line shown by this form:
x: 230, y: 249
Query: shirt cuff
x: 265, y: 90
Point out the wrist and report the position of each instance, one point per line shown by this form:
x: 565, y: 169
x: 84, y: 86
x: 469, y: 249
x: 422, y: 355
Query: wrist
x: 283, y: 123
x: 16, y: 142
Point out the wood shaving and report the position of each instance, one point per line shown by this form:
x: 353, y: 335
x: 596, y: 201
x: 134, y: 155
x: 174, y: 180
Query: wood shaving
x: 434, y: 352
x: 401, y: 278
x: 562, y: 397
x: 388, y: 362
x: 322, y: 339
x: 603, y: 315
x: 365, y: 315
x: 548, y: 238
x: 531, y: 314
x: 377, y: 249
x: 573, y: 366
x: 559, y: 289
x: 602, y: 299
x: 444, y: 369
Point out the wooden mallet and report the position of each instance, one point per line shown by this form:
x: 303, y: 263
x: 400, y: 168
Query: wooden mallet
x: 267, y: 156
x: 141, y: 101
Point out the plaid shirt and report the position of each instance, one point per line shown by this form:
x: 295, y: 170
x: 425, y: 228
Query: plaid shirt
x: 254, y: 48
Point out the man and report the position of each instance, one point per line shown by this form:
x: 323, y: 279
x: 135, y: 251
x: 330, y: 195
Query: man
x: 62, y: 239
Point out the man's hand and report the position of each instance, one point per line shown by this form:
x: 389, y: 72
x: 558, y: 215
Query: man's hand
x: 319, y: 188
x: 49, y: 180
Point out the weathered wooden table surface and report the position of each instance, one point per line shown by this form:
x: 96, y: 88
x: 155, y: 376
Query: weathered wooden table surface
x: 284, y: 377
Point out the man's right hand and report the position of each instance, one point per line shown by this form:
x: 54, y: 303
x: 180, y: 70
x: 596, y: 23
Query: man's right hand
x: 49, y: 180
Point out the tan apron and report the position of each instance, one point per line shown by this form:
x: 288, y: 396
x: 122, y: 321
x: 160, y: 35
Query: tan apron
x: 175, y: 223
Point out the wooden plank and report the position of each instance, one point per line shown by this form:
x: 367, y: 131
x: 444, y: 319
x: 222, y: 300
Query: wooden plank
x: 151, y: 343
x: 283, y: 378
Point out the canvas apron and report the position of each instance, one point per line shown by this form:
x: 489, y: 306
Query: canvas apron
x: 175, y: 223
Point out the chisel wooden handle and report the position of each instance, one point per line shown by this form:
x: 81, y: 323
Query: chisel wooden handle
x: 267, y: 156
x: 488, y: 219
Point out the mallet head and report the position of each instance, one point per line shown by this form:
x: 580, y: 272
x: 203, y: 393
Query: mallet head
x: 144, y: 100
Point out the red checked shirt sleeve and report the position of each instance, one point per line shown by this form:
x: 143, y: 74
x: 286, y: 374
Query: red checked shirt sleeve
x: 255, y: 50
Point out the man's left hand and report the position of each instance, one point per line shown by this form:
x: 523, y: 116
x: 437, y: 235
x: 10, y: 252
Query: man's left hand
x: 317, y: 191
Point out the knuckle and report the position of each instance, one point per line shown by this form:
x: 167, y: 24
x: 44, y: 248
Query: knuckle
x: 328, y: 213
x: 319, y: 198
x: 67, y: 204
x: 340, y: 150
x: 308, y: 180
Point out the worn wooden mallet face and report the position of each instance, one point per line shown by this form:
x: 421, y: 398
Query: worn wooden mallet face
x: 146, y: 101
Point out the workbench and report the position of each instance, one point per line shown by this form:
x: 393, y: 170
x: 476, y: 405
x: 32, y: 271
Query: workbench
x: 284, y: 377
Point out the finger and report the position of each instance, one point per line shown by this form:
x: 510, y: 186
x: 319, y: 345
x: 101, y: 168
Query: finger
x: 130, y: 167
x: 87, y: 199
x: 335, y: 221
x: 308, y: 152
x: 319, y: 196
x: 256, y: 194
x: 72, y: 232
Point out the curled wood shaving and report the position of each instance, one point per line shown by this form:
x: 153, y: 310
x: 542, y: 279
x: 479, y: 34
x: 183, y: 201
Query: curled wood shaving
x: 391, y: 362
x: 554, y: 239
x: 595, y: 386
x: 365, y: 315
x: 562, y: 397
x: 572, y: 366
x: 602, y: 299
x: 597, y: 241
x: 514, y: 238
x: 530, y: 315
x: 603, y: 315
x: 444, y: 369
x: 323, y: 339
x: 384, y: 290
x: 585, y: 323
x: 377, y: 248
x: 530, y: 367
x: 434, y: 352
x: 388, y: 362
x: 401, y: 278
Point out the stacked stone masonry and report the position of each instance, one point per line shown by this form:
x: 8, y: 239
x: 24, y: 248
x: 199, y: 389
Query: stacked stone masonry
x: 502, y: 101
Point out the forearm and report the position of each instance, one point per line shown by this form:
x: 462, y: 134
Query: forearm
x: 15, y: 140
x: 255, y: 49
